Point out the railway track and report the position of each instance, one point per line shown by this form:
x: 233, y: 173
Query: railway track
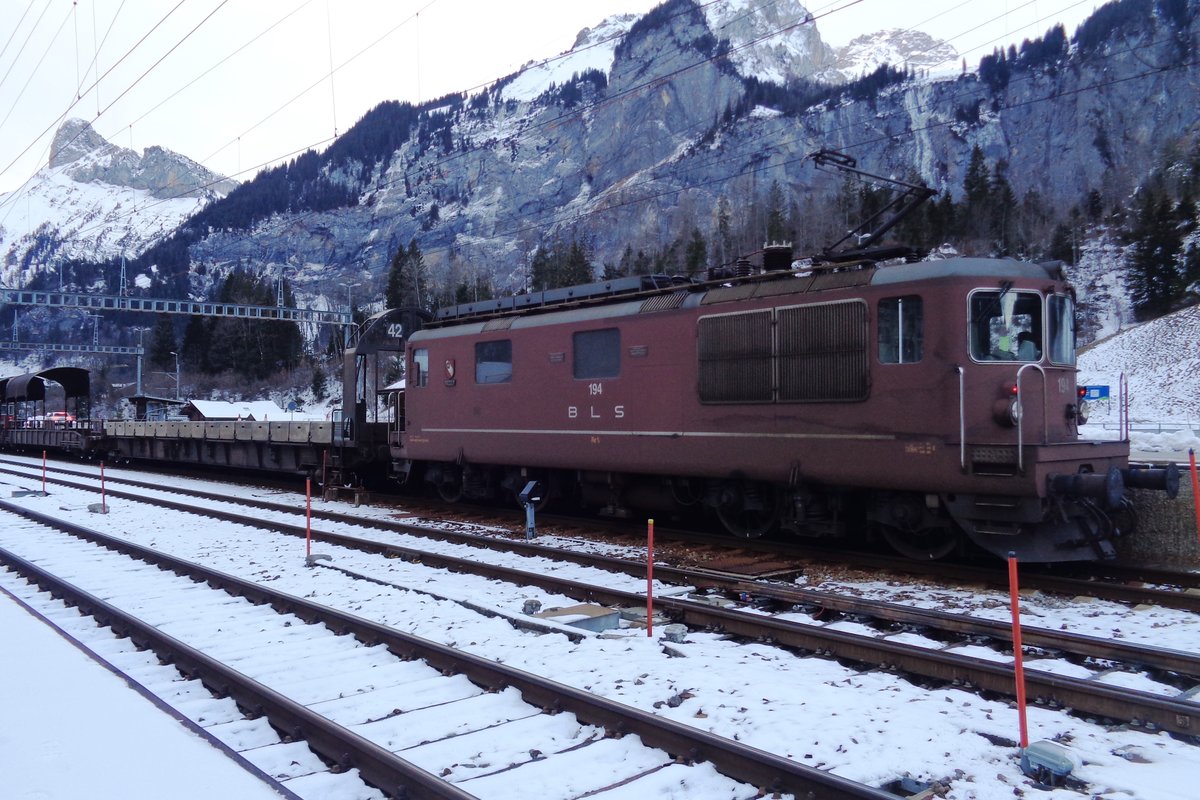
x: 1134, y: 585
x: 413, y: 718
x: 935, y: 660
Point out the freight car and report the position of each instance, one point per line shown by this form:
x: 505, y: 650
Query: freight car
x: 934, y: 403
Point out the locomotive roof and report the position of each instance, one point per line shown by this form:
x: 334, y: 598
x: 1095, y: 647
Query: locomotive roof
x: 966, y: 267
x: 628, y: 296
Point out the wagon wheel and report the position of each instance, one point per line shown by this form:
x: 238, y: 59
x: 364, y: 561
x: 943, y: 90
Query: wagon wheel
x: 748, y: 510
x: 926, y: 544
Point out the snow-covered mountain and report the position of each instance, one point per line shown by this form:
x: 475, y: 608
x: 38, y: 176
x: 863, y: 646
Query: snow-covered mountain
x: 756, y: 46
x: 593, y: 50
x: 95, y: 201
x: 914, y: 49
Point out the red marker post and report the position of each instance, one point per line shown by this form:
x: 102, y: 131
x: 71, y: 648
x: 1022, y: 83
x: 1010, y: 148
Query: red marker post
x: 307, y: 517
x: 43, y: 472
x: 103, y: 494
x: 1018, y: 656
x: 650, y: 578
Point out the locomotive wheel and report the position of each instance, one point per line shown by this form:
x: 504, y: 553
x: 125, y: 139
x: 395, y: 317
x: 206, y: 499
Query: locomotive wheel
x: 450, y: 487
x: 748, y: 510
x: 926, y: 544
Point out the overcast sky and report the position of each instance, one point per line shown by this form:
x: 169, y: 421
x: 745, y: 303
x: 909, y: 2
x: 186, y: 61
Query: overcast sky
x: 236, y: 84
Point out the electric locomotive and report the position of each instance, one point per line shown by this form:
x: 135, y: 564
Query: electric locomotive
x: 935, y: 403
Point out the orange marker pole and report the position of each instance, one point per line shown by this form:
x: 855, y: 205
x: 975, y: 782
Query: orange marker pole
x: 307, y: 517
x: 43, y: 472
x: 1018, y: 659
x: 1195, y: 489
x: 650, y: 579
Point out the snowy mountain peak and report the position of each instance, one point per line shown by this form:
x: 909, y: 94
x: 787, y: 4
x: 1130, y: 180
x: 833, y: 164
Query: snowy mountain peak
x: 897, y: 47
x: 774, y: 42
x: 77, y: 139
x: 611, y: 27
x: 87, y: 157
x: 95, y: 200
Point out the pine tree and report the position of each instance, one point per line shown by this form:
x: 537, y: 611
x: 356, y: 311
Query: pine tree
x: 776, y: 215
x: 1153, y: 274
x: 695, y: 257
x: 1001, y: 209
x: 404, y: 277
x: 977, y: 191
x: 1062, y: 245
x: 162, y: 343
x: 578, y: 266
x: 723, y: 241
x: 542, y: 269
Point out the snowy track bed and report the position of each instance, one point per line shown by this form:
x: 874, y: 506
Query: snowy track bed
x: 811, y: 710
x: 467, y: 723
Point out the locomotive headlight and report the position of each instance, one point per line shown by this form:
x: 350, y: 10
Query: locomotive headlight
x: 1081, y: 412
x: 1007, y: 412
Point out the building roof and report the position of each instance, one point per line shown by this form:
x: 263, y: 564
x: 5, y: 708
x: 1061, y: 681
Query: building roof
x: 257, y: 410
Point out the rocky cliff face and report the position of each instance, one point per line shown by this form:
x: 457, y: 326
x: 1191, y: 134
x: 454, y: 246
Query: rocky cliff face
x: 637, y: 162
x: 668, y: 137
x: 756, y: 45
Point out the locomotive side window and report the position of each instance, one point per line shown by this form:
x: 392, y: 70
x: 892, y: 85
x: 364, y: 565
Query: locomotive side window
x: 1061, y: 319
x: 597, y: 354
x: 420, y: 368
x: 901, y: 330
x: 493, y: 361
x: 1006, y: 326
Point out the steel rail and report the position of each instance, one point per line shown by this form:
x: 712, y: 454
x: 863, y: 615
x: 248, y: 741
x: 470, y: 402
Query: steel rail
x: 1181, y: 662
x: 767, y: 771
x: 1032, y: 576
x: 379, y: 766
x: 1140, y: 708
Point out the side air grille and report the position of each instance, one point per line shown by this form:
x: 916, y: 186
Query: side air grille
x: 823, y: 353
x: 735, y: 358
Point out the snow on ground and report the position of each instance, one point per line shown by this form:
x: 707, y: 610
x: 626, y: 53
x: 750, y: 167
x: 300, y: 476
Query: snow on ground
x: 867, y: 726
x: 1159, y: 363
x: 57, y: 741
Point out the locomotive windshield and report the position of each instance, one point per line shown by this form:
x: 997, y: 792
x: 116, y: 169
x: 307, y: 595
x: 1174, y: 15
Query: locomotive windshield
x: 1006, y: 326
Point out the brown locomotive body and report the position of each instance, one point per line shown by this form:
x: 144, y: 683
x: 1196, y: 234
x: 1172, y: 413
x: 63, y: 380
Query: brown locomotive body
x: 924, y: 401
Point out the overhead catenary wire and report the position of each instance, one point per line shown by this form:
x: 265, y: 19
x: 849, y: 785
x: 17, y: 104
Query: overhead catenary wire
x: 58, y: 32
x: 28, y: 36
x: 549, y: 223
x: 555, y: 221
x: 74, y: 102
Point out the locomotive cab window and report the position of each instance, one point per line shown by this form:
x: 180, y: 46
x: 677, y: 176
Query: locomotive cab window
x: 1061, y: 317
x: 597, y: 354
x: 420, y: 368
x: 1006, y: 326
x: 901, y: 330
x: 493, y: 361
